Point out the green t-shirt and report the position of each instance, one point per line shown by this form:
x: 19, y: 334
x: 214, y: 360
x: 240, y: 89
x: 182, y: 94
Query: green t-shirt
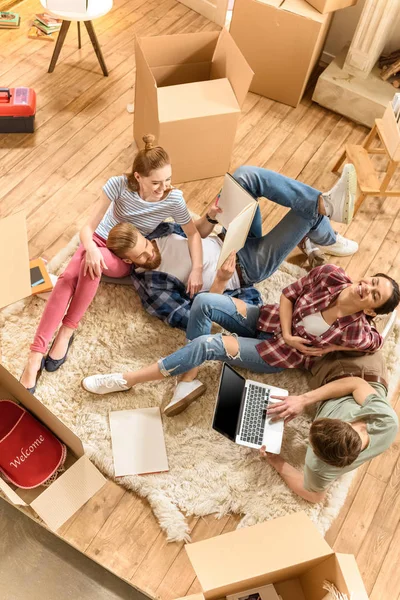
x: 382, y: 425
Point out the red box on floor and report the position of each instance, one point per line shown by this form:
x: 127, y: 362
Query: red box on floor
x: 17, y: 110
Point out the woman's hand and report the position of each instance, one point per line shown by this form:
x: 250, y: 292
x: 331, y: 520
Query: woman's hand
x: 287, y: 409
x: 94, y: 263
x: 275, y: 460
x: 195, y: 281
x: 304, y: 346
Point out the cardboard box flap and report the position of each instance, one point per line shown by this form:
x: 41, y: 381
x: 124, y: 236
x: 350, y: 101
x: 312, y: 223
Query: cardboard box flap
x: 68, y: 493
x: 11, y: 495
x: 15, y: 278
x: 165, y: 50
x: 179, y: 74
x: 194, y: 100
x: 282, y: 547
x: 340, y: 569
x: 11, y: 388
x: 228, y: 61
x: 149, y: 86
x: 299, y: 7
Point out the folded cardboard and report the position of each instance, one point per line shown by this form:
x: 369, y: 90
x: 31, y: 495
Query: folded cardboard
x: 282, y: 41
x: 326, y: 6
x: 56, y: 503
x: 190, y: 89
x: 288, y: 552
x: 15, y: 265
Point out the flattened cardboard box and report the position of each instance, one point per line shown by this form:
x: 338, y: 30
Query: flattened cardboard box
x: 288, y: 552
x: 190, y: 89
x: 56, y: 503
x: 326, y: 6
x: 282, y: 41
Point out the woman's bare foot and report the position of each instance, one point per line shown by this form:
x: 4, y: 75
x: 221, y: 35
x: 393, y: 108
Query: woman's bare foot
x: 28, y: 378
x: 60, y: 345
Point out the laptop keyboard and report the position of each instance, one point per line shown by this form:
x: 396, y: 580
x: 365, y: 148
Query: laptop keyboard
x: 253, y: 421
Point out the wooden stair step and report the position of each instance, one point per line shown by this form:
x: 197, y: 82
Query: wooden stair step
x: 367, y: 179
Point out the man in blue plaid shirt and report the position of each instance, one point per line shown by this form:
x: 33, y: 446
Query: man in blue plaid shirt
x: 162, y: 260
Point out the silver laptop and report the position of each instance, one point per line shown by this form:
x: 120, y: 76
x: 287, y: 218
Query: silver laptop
x: 240, y: 412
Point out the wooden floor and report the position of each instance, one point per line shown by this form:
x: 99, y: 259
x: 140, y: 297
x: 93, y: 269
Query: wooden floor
x: 84, y: 135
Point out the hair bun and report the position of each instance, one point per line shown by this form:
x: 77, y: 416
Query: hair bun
x: 149, y: 140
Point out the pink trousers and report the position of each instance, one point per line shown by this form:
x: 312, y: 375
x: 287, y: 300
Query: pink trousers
x: 77, y: 291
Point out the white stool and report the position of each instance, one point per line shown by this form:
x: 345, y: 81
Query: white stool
x: 95, y: 9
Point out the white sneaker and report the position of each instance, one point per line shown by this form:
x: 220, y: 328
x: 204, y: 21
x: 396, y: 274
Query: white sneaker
x: 105, y: 384
x: 342, y: 247
x: 185, y: 393
x: 339, y: 201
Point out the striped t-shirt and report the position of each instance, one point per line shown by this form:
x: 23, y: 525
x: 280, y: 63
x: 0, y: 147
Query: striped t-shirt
x: 128, y: 207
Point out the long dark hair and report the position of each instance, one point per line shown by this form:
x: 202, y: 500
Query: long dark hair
x: 393, y: 301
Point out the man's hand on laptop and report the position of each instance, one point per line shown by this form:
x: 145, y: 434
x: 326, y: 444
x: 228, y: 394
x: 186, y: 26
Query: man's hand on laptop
x: 287, y: 409
x: 275, y: 460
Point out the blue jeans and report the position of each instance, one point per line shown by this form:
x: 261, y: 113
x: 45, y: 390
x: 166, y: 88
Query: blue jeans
x: 209, y: 308
x: 262, y: 255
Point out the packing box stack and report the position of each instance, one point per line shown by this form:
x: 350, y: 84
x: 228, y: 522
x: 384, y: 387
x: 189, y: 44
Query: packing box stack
x: 287, y: 552
x: 282, y: 41
x: 190, y: 89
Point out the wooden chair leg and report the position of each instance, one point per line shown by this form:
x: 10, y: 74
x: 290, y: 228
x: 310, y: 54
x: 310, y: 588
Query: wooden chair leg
x: 339, y: 163
x: 370, y: 137
x: 96, y: 46
x: 359, y: 200
x: 79, y: 35
x: 389, y: 174
x: 59, y: 44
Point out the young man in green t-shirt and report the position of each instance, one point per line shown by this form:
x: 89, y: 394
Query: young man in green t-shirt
x: 354, y: 421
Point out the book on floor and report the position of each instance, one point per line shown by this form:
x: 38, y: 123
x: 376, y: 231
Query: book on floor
x: 49, y: 20
x: 37, y: 34
x: 238, y: 208
x: 138, y: 443
x: 40, y: 279
x: 9, y: 20
x: 47, y: 30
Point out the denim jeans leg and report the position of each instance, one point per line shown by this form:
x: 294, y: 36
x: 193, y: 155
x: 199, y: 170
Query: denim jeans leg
x: 217, y: 308
x: 282, y: 190
x: 211, y: 347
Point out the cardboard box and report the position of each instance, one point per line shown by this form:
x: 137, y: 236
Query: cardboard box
x: 390, y: 133
x: 288, y: 552
x: 56, y: 503
x: 190, y: 89
x: 15, y: 268
x: 282, y: 41
x: 326, y: 6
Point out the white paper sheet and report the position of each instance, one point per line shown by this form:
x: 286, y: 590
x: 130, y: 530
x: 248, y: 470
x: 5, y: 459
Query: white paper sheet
x: 138, y: 442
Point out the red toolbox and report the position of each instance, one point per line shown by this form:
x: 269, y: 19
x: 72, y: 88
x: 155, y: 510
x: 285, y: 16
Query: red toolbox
x: 17, y: 110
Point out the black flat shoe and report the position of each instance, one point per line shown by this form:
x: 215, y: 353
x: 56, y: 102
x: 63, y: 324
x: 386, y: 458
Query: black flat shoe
x: 52, y: 364
x: 32, y: 389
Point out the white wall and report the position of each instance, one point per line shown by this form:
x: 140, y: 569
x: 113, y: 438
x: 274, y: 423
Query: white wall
x: 343, y: 26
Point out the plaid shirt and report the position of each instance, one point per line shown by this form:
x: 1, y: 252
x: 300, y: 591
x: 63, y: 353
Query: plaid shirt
x: 312, y: 293
x: 164, y: 296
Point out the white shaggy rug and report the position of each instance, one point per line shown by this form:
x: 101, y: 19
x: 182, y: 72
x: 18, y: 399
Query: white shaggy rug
x: 208, y: 474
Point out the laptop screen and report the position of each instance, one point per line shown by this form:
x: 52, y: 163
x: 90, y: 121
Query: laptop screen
x: 229, y: 402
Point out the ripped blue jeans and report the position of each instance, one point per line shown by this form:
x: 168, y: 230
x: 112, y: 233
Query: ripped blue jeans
x: 209, y: 308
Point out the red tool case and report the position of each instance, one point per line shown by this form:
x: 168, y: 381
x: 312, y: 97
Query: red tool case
x: 17, y: 110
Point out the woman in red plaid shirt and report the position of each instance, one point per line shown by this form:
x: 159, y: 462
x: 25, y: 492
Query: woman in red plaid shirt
x: 321, y: 312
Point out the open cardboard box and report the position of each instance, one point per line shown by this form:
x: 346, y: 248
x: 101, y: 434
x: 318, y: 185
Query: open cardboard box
x: 282, y: 41
x: 56, y: 503
x: 190, y: 89
x: 288, y: 552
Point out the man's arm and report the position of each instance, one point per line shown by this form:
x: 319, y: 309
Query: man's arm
x: 291, y: 406
x: 224, y: 274
x: 293, y: 478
